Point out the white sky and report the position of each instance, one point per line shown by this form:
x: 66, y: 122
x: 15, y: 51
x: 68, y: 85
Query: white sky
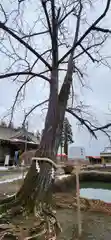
x: 98, y: 78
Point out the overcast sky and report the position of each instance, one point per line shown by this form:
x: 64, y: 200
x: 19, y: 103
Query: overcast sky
x: 99, y: 98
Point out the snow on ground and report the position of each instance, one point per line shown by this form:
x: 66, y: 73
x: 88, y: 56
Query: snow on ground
x: 63, y: 176
x: 15, y: 178
x: 10, y: 179
x: 90, y: 193
x: 4, y: 168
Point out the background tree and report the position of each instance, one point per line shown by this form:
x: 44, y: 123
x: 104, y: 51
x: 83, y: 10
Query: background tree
x: 38, y: 135
x: 61, y: 51
x: 62, y: 142
x: 3, y: 124
x: 66, y: 136
x: 11, y: 125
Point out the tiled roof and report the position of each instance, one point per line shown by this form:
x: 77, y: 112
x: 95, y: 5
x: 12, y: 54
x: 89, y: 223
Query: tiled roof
x: 95, y: 157
x: 7, y: 133
x: 107, y: 150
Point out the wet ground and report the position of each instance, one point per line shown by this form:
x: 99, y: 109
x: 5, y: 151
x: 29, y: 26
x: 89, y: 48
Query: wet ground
x: 9, y: 188
x: 95, y: 226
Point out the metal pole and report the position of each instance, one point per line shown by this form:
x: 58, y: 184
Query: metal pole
x: 78, y: 201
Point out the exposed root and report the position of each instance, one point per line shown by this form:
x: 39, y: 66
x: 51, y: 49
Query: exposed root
x: 42, y: 233
x: 44, y: 226
x: 4, y: 207
x: 7, y: 200
x: 36, y: 190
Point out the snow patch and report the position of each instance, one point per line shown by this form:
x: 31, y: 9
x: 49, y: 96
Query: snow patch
x: 4, y: 168
x: 10, y: 180
x: 63, y: 176
x: 13, y: 179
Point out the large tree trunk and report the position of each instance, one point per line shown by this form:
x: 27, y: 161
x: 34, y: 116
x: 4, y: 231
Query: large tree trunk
x: 38, y: 183
x: 37, y: 187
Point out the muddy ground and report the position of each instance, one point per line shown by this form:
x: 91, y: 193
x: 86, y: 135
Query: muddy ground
x: 95, y: 226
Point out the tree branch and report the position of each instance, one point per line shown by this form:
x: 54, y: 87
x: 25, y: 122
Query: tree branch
x: 91, y: 128
x: 34, y: 34
x: 7, y: 75
x: 61, y: 20
x: 102, y: 127
x: 88, y: 54
x: 32, y: 109
x: 5, y: 28
x: 87, y: 31
x: 88, y: 48
x: 54, y: 36
x: 65, y: 89
x: 58, y: 13
x: 47, y: 16
x: 104, y: 30
x: 17, y: 94
x: 4, y: 13
x: 82, y: 121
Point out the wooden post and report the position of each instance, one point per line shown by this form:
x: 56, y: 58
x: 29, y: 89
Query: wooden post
x: 22, y: 168
x: 78, y: 201
x: 102, y: 160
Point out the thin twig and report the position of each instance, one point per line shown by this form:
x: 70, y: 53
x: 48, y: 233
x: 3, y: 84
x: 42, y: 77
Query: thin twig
x: 5, y: 28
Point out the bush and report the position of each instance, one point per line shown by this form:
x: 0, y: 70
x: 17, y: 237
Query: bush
x: 68, y: 169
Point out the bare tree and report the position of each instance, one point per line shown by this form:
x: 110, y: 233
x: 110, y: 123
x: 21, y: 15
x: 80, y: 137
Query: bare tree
x: 65, y: 47
x: 3, y: 124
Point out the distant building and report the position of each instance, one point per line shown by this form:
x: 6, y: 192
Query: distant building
x: 94, y: 159
x: 106, y: 155
x: 12, y: 139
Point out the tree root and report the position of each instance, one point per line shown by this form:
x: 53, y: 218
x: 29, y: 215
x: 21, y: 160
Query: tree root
x: 36, y: 190
x: 4, y: 207
x: 42, y: 233
x: 7, y: 200
x: 47, y: 226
